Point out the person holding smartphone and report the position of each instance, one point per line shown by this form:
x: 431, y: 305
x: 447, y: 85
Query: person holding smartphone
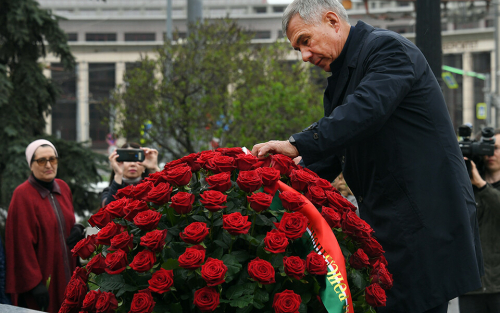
x: 129, y: 173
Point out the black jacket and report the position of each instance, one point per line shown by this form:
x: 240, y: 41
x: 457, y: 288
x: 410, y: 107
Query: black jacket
x: 386, y: 126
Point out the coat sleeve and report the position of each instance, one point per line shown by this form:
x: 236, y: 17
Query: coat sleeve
x: 21, y: 239
x: 488, y: 198
x: 388, y: 77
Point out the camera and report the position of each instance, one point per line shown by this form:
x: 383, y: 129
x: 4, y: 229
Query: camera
x: 475, y: 150
x: 130, y: 155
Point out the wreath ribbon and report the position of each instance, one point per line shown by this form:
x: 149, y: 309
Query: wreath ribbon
x: 336, y: 295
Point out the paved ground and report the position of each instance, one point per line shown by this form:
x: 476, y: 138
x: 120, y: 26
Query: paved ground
x: 453, y: 306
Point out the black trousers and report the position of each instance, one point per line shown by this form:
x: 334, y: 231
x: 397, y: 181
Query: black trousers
x: 481, y: 303
x: 443, y: 308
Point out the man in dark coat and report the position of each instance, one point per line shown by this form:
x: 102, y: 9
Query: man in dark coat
x: 386, y: 127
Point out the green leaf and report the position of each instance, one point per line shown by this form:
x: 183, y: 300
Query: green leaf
x: 262, y: 220
x: 200, y: 218
x: 242, y: 301
x: 233, y: 266
x: 126, y: 288
x: 261, y: 296
x: 358, y: 280
x: 218, y: 253
x: 170, y: 264
x: 240, y: 255
x: 246, y: 309
x: 303, y: 308
x: 221, y: 244
x: 110, y: 282
x: 237, y: 291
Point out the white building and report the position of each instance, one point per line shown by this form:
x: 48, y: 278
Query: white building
x: 106, y: 37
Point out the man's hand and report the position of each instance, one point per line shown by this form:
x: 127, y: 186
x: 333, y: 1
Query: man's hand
x: 476, y: 179
x: 284, y: 147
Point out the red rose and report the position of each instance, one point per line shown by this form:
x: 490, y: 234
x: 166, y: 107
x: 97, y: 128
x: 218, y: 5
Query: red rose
x: 80, y: 273
x: 213, y: 272
x: 380, y: 258
x: 235, y: 223
x: 300, y: 179
x: 106, y: 303
x: 122, y: 241
x: 205, y: 156
x: 154, y: 240
x: 143, y: 261
x: 220, y: 182
x: 142, y: 302
x: 261, y: 271
x: 182, y: 202
x: 249, y: 181
x: 100, y: 219
x: 375, y: 295
x: 275, y: 241
x: 126, y: 192
x: 294, y: 267
x: 316, y: 195
x: 223, y: 164
x: 316, y: 264
x: 372, y: 247
x: 194, y: 233
x: 190, y: 160
x: 147, y: 220
x: 179, y: 175
x: 260, y: 201
x: 105, y: 235
x: 293, y: 225
x: 323, y: 184
x: 75, y: 293
x: 91, y: 300
x: 286, y: 302
x: 116, y: 262
x: 281, y: 163
x: 96, y: 265
x: 192, y: 258
x: 312, y: 173
x: 353, y: 225
x: 270, y: 177
x: 291, y: 200
x: 232, y: 152
x: 293, y: 167
x: 160, y: 194
x: 141, y: 190
x: 212, y: 200
x: 157, y: 178
x: 161, y: 281
x: 337, y: 201
x: 85, y: 247
x: 173, y: 164
x: 244, y: 162
x: 359, y: 260
x: 134, y: 208
x: 265, y: 162
x: 115, y: 208
x: 206, y: 299
x: 379, y: 274
x: 331, y: 217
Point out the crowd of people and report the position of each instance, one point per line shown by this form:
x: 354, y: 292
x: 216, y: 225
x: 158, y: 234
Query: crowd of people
x: 386, y: 134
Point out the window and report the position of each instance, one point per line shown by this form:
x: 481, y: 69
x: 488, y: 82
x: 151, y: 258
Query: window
x: 280, y: 33
x: 262, y: 34
x: 176, y: 35
x: 279, y: 9
x: 140, y: 36
x: 72, y: 36
x: 401, y: 29
x: 64, y: 111
x: 260, y: 9
x: 100, y: 37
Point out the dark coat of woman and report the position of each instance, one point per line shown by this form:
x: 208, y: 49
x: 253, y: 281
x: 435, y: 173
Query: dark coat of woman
x: 386, y: 126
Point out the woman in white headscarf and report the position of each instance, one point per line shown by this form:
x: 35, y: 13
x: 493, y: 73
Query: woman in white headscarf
x: 40, y: 233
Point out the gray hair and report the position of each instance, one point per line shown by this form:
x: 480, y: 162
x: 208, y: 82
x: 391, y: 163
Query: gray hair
x: 311, y: 11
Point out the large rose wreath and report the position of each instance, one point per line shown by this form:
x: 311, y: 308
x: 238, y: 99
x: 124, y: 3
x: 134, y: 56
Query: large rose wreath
x: 224, y: 231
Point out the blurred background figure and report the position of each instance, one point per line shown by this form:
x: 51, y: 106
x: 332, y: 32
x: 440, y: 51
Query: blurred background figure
x: 129, y: 173
x: 486, y: 186
x: 340, y: 184
x: 40, y: 233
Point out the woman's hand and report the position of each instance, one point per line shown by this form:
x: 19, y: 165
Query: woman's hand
x: 117, y: 167
x: 151, y: 160
x: 476, y: 178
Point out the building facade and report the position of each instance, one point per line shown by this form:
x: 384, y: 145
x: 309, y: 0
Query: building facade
x: 108, y: 37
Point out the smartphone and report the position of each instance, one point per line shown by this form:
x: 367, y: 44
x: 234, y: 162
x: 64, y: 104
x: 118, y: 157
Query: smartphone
x: 130, y: 155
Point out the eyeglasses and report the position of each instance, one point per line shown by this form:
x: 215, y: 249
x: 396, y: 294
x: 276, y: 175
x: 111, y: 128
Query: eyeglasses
x: 43, y: 161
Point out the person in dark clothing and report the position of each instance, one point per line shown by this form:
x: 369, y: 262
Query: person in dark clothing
x: 387, y: 128
x: 128, y: 173
x: 486, y: 187
x: 39, y: 234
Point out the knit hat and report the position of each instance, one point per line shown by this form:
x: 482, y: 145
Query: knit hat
x: 30, y: 150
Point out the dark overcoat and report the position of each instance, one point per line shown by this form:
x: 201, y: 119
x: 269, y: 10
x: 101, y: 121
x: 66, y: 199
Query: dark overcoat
x: 386, y: 126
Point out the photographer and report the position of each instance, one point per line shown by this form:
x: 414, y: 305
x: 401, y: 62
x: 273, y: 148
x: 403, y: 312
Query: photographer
x: 486, y: 187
